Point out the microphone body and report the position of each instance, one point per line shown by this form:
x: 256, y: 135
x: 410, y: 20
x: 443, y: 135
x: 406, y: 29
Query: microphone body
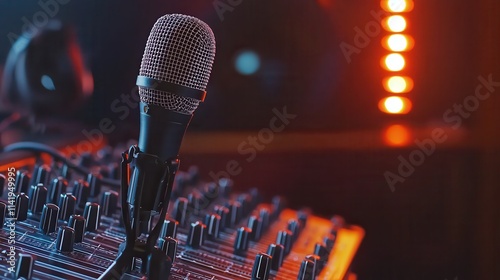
x: 161, y: 131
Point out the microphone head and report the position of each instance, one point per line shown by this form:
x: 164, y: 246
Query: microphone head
x: 180, y: 50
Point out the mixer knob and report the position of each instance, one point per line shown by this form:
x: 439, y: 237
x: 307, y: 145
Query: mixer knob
x: 235, y: 213
x: 261, y: 267
x: 195, y: 201
x: 294, y: 227
x: 169, y: 228
x: 213, y: 222
x: 285, y: 238
x: 322, y: 252
x: 241, y: 241
x: 276, y: 251
x: 65, y: 239
x: 316, y: 260
x: 56, y: 188
x: 180, y: 210
x: 22, y: 181
x: 95, y: 183
x: 255, y: 224
x: 3, y: 213
x: 246, y: 203
x: 264, y: 216
x: 225, y: 187
x: 24, y: 267
x: 302, y: 216
x: 196, y: 235
x: 22, y: 206
x: 223, y: 212
x: 77, y: 223
x: 109, y: 202
x: 81, y: 191
x: 48, y: 220
x: 279, y: 203
x: 92, y: 215
x: 169, y: 246
x: 307, y: 270
x: 329, y: 241
x: 67, y: 203
x: 2, y: 184
x: 211, y: 191
x: 37, y: 198
x: 40, y: 175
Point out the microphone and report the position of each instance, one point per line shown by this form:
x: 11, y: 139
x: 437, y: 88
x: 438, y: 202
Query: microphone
x: 173, y: 76
x: 174, y: 73
x: 172, y: 79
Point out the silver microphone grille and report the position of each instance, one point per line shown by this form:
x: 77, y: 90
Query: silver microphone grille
x: 180, y: 50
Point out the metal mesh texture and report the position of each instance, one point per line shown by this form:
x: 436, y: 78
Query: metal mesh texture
x: 180, y: 50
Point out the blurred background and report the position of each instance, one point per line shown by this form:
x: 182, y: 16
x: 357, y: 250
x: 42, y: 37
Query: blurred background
x: 328, y: 63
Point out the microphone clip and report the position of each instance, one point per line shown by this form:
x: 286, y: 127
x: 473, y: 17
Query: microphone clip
x: 146, y: 186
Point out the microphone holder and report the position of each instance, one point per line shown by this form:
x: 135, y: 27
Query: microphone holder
x: 155, y: 263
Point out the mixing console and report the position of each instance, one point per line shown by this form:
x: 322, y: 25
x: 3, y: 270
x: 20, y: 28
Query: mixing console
x: 60, y: 219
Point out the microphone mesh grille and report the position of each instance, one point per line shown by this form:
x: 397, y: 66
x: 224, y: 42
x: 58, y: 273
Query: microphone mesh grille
x: 180, y: 50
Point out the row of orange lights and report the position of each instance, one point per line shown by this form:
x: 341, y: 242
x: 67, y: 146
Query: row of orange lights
x: 394, y: 62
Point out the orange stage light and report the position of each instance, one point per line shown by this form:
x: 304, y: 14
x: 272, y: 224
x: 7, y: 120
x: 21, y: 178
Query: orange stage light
x: 395, y: 105
x: 395, y: 23
x: 398, y: 84
x: 393, y: 62
x: 397, y: 6
x: 397, y: 135
x: 398, y: 42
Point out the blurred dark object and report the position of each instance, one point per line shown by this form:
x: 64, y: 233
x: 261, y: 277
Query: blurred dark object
x: 44, y: 74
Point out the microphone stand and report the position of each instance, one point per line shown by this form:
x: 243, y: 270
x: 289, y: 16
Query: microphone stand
x: 151, y: 179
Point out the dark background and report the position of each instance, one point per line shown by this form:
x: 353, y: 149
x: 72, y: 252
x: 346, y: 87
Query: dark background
x: 441, y: 223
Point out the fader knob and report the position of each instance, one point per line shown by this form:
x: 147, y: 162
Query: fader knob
x: 22, y: 181
x: 40, y: 175
x: 169, y: 246
x: 92, y: 215
x: 223, y: 212
x: 95, y: 183
x: 307, y: 270
x: 169, y: 228
x: 109, y: 202
x: 255, y: 224
x: 180, y: 210
x: 57, y: 187
x: 213, y: 222
x: 242, y: 239
x: 261, y: 267
x: 48, y: 220
x: 3, y: 212
x: 2, y: 184
x: 38, y: 198
x: 81, y: 191
x: 65, y: 239
x: 276, y: 251
x: 22, y: 205
x: 196, y: 235
x: 24, y: 267
x: 67, y: 203
x: 77, y: 223
x: 285, y: 238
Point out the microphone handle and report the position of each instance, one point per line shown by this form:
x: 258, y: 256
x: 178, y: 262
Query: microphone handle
x: 161, y: 131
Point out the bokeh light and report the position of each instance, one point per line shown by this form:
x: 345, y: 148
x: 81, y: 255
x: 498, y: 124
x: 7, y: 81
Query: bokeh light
x: 393, y: 62
x: 395, y: 105
x: 398, y: 84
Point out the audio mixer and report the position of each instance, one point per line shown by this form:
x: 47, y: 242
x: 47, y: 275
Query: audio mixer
x: 61, y: 219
